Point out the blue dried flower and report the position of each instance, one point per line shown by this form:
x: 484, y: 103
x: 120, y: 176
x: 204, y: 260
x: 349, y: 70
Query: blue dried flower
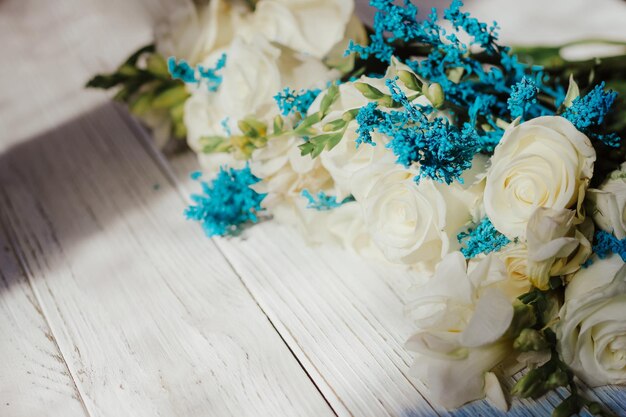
x: 484, y: 238
x: 523, y: 96
x: 291, y: 101
x: 226, y: 203
x: 181, y: 70
x: 605, y: 243
x: 589, y: 112
x: 323, y: 202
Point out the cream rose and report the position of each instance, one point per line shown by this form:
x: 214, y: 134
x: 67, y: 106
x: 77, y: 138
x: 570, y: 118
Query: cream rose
x: 462, y: 317
x: 545, y: 162
x: 255, y: 71
x: 554, y: 247
x: 607, y: 204
x: 592, y: 330
x: 310, y: 26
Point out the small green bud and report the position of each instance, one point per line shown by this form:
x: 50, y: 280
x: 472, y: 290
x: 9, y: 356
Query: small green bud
x: 410, y: 80
x: 530, y: 339
x: 350, y: 115
x: 434, y: 94
x: 141, y: 105
x: 368, y: 91
x: 558, y: 378
x: 570, y: 406
x: 128, y: 70
x: 573, y: 92
x: 334, y: 125
x: 156, y: 65
x: 279, y: 123
x: 524, y: 316
x: 170, y: 97
x: 332, y: 94
x: 530, y: 385
x: 180, y: 130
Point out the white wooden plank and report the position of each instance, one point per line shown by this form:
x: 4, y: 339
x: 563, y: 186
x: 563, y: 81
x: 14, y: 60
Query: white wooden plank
x: 148, y: 315
x: 34, y: 378
x: 343, y: 317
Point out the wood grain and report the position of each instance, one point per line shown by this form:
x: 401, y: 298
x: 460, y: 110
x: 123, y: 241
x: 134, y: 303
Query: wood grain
x: 149, y: 317
x: 344, y: 317
x: 34, y: 378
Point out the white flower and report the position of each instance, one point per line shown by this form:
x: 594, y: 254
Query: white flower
x: 284, y: 173
x: 545, y: 162
x: 410, y: 222
x: 592, y: 330
x: 608, y: 203
x: 195, y: 32
x: 310, y: 26
x: 255, y: 71
x: 554, y: 247
x: 462, y: 317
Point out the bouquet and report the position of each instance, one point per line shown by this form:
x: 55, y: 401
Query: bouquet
x: 501, y: 182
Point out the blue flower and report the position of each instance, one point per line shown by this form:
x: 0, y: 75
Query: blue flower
x: 523, y: 96
x: 323, y: 202
x: 181, y: 70
x: 605, y: 243
x: 291, y: 101
x: 484, y: 238
x: 588, y: 113
x: 226, y: 203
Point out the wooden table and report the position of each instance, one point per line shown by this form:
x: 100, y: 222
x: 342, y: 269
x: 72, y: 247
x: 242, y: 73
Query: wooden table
x: 111, y: 304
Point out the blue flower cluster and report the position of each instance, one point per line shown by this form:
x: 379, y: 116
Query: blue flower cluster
x: 323, y: 202
x: 588, y: 113
x: 605, y: 243
x: 292, y: 101
x: 484, y: 238
x: 442, y: 151
x: 476, y: 87
x: 523, y: 96
x: 181, y: 70
x: 226, y: 203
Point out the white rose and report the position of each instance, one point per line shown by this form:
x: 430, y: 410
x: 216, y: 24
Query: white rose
x: 545, y: 162
x: 608, y: 203
x: 410, y: 222
x: 309, y: 26
x: 592, y: 330
x: 255, y: 71
x: 284, y: 173
x: 193, y: 32
x: 554, y: 246
x: 462, y: 317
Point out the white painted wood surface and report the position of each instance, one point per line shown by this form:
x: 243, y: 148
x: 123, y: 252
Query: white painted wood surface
x: 112, y: 305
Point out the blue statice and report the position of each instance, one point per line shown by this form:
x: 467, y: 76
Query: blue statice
x: 226, y: 203
x: 588, y: 113
x: 181, y: 70
x: 605, y: 243
x: 292, y: 101
x: 441, y: 150
x: 484, y: 238
x: 210, y: 74
x: 483, y: 35
x: 368, y: 118
x: 523, y: 96
x: 322, y: 201
x: 474, y: 86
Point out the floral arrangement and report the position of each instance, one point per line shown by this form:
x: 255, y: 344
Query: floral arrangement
x: 499, y: 181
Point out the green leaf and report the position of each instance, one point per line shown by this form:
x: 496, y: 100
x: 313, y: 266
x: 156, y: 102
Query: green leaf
x: 157, y: 66
x: 306, y: 148
x: 132, y: 60
x: 326, y: 141
x: 105, y: 81
x: 568, y: 407
x: 170, y: 97
x: 279, y: 123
